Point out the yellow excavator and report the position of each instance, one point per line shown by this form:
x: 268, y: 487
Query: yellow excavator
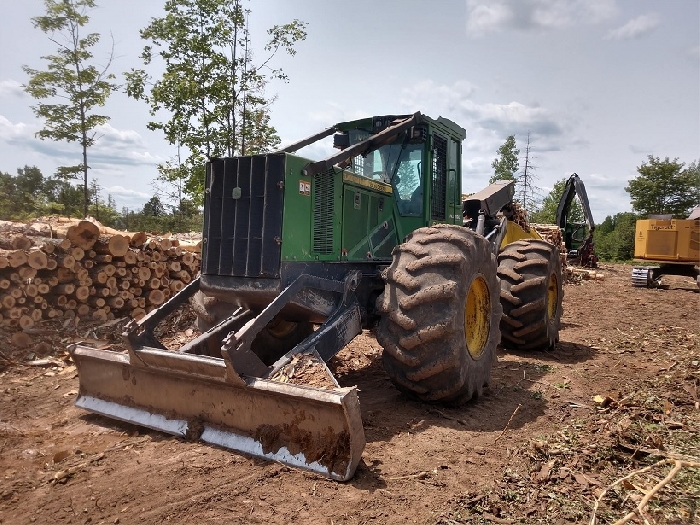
x: 298, y: 256
x: 672, y: 244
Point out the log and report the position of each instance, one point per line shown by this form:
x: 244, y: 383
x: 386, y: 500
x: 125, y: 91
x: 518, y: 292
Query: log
x: 25, y: 322
x: 130, y: 258
x: 21, y: 242
x: 144, y: 273
x: 84, y: 234
x: 65, y: 275
x: 156, y: 297
x: 83, y: 310
x: 115, y: 302
x: 64, y: 289
x: 8, y: 301
x: 78, y: 253
x: 138, y: 313
x: 97, y: 302
x: 26, y: 273
x: 4, y: 284
x: 176, y: 285
x: 66, y: 261
x: 21, y: 340
x: 82, y: 293
x: 37, y: 259
x: 51, y: 264
x: 99, y: 315
x: 116, y: 245
x: 138, y: 239
x: 15, y: 258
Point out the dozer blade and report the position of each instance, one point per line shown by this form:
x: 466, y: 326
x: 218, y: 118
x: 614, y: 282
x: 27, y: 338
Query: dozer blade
x: 201, y: 397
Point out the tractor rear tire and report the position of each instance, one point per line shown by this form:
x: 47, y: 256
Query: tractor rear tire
x: 439, y: 314
x: 531, y: 295
x: 273, y: 341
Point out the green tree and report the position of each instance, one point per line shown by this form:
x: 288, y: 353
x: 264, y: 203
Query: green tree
x: 154, y: 207
x: 665, y: 187
x: 614, y: 237
x: 71, y: 86
x: 24, y: 195
x: 65, y: 198
x: 506, y: 165
x: 211, y: 86
x: 547, y: 212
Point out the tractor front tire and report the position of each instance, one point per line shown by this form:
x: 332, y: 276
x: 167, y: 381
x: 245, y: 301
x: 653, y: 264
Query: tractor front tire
x: 531, y: 295
x: 439, y: 314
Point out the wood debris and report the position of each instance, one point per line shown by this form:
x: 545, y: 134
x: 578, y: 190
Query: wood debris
x: 307, y: 370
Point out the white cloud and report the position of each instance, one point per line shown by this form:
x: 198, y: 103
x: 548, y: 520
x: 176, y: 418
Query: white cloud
x: 456, y: 102
x: 484, y: 17
x: 636, y: 27
x: 11, y: 88
x: 121, y: 191
x: 10, y: 131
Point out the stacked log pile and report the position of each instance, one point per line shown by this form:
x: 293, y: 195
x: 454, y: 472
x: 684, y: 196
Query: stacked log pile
x: 552, y: 234
x: 89, y: 275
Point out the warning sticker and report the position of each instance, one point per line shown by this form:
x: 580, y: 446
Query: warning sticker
x: 304, y: 188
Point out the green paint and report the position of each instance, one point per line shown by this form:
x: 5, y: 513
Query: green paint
x: 355, y: 215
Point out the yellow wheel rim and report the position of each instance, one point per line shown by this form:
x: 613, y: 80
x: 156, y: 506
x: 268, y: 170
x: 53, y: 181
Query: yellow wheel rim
x: 477, y: 317
x: 280, y: 328
x: 552, y: 296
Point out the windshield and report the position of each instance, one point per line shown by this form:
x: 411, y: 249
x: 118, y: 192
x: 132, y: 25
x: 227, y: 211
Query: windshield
x: 398, y: 164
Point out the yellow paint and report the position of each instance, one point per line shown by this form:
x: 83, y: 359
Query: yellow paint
x: 367, y: 183
x: 673, y: 240
x: 477, y: 317
x: 514, y: 232
x: 552, y: 296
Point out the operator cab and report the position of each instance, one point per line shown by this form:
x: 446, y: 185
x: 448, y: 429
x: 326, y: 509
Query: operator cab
x: 398, y: 163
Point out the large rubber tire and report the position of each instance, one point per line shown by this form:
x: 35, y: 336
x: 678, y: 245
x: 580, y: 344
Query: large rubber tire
x: 439, y: 314
x: 275, y: 340
x: 531, y: 295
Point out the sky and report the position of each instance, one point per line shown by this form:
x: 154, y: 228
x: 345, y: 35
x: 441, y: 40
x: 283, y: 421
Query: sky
x: 599, y: 85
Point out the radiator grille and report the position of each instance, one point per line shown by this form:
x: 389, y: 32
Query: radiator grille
x: 243, y: 216
x: 439, y: 178
x: 324, y: 195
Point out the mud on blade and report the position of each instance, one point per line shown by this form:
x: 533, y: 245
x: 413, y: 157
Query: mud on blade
x: 198, y: 397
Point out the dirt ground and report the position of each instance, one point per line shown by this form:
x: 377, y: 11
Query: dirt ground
x: 538, y: 447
